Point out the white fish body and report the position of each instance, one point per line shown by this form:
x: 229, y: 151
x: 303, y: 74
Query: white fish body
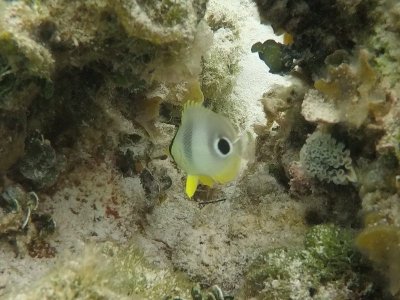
x: 207, y: 147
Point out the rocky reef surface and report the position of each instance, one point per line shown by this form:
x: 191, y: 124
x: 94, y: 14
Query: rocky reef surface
x: 92, y: 206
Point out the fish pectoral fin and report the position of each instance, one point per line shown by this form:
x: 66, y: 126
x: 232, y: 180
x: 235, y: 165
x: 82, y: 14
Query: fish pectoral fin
x: 206, y: 180
x: 230, y: 172
x: 191, y: 185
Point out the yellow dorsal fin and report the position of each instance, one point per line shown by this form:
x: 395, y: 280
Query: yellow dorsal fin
x: 191, y: 103
x: 191, y: 185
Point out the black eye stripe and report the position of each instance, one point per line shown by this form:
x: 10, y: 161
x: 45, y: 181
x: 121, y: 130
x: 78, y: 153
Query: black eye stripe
x: 170, y: 145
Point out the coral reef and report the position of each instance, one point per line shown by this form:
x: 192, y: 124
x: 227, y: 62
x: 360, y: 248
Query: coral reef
x: 80, y: 82
x: 383, y: 41
x: 90, y: 98
x: 46, y: 44
x: 326, y: 159
x: 351, y: 96
x: 327, y: 265
x: 68, y: 77
x: 317, y: 29
x: 369, y: 164
x: 352, y: 87
x: 220, y: 65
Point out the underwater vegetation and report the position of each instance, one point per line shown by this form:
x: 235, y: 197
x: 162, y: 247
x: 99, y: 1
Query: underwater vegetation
x: 317, y: 29
x: 277, y: 57
x: 328, y: 264
x: 65, y: 77
x: 326, y: 159
x: 90, y: 84
x: 110, y: 271
x: 340, y: 126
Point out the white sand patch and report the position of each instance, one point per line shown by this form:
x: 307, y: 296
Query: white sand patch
x: 254, y: 78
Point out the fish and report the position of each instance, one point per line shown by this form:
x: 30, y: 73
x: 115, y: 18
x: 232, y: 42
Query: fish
x: 207, y: 147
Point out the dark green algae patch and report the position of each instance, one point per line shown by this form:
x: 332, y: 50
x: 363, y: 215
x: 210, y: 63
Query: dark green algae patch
x: 318, y: 29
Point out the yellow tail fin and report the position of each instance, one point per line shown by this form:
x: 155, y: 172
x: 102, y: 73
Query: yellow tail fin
x: 191, y: 185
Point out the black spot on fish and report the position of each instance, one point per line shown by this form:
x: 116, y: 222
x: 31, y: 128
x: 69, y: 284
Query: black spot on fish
x: 223, y: 146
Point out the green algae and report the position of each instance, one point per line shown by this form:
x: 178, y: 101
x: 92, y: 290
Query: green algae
x: 327, y: 261
x: 108, y: 271
x: 276, y: 56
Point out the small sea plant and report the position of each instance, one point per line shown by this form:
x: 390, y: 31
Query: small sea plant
x: 326, y: 159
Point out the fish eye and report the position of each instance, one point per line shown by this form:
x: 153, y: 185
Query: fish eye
x: 223, y: 146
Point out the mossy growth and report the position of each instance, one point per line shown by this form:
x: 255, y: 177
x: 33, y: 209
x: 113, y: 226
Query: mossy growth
x: 220, y: 65
x: 16, y: 89
x: 108, y: 271
x: 327, y: 263
x: 330, y: 252
x: 26, y: 57
x: 167, y: 12
x: 384, y: 41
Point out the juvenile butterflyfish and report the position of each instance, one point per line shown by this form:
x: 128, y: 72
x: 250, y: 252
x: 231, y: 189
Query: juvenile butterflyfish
x: 207, y: 147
